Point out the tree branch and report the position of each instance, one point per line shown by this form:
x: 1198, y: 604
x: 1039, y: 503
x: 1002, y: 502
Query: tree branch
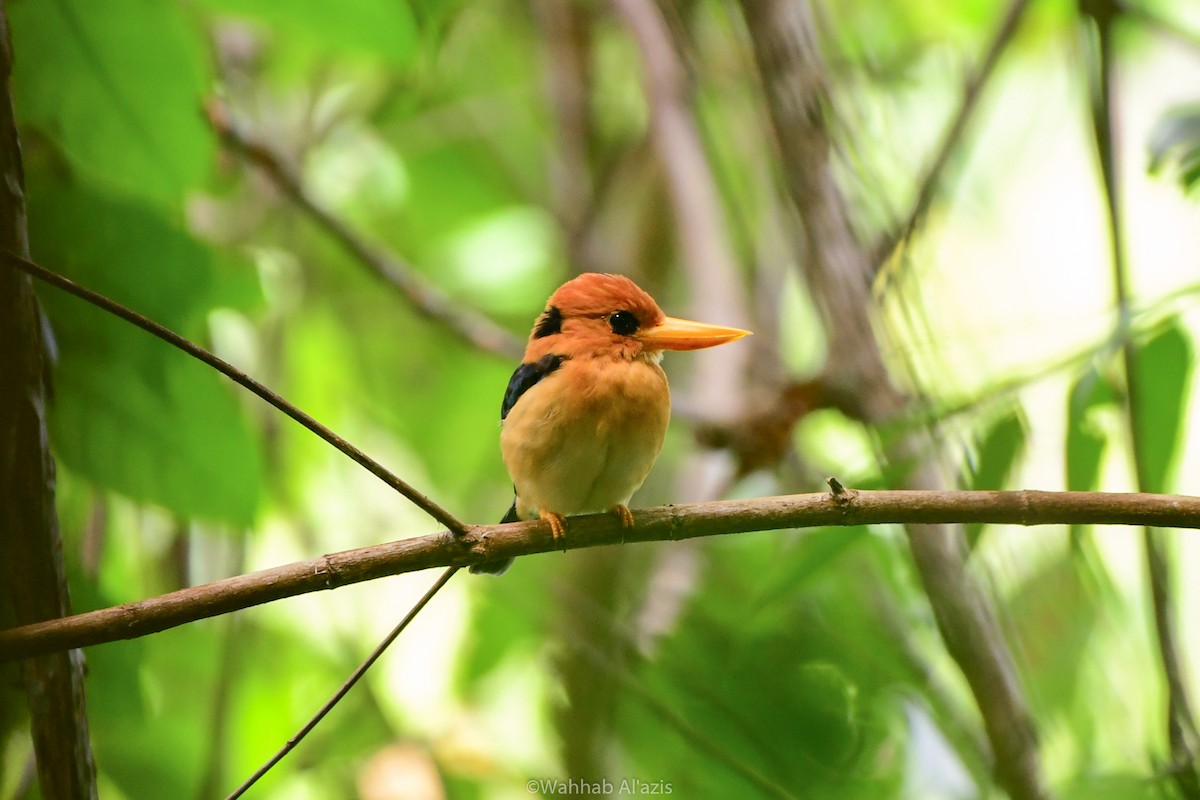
x: 427, y: 299
x: 664, y: 523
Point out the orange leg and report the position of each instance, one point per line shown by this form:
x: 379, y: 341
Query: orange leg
x: 558, y: 524
x: 625, y: 514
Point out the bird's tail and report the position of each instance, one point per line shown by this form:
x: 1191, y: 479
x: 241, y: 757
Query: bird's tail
x: 498, y: 567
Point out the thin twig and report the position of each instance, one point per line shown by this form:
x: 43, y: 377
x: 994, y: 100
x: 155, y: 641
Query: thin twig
x: 664, y: 523
x: 423, y: 296
x: 971, y: 92
x: 233, y: 373
x: 346, y: 687
x: 1181, y: 725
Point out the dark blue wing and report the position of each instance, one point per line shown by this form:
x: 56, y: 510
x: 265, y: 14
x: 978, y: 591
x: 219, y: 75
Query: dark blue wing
x: 525, y: 377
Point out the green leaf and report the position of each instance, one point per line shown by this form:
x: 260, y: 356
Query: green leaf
x: 142, y: 726
x: 826, y: 712
x: 131, y: 252
x: 511, y: 617
x: 798, y: 688
x: 118, y: 87
x: 383, y: 29
x: 814, y: 553
x: 1161, y: 381
x: 182, y: 443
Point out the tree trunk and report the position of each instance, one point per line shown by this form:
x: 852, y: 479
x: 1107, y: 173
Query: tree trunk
x: 35, y: 586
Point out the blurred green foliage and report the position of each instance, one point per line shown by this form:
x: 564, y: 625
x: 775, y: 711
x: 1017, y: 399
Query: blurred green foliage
x: 801, y: 663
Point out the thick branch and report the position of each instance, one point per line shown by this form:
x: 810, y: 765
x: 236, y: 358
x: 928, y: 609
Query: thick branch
x: 494, y: 542
x: 427, y: 299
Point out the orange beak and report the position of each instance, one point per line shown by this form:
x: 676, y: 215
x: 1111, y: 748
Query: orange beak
x: 683, y: 334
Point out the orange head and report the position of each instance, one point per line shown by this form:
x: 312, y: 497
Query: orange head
x: 609, y: 315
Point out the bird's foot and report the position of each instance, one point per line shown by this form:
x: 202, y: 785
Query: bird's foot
x: 558, y: 525
x: 625, y: 515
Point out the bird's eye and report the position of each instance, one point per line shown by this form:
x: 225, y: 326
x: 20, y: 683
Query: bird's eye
x: 623, y: 323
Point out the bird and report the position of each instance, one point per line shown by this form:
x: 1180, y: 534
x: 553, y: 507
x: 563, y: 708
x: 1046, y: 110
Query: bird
x: 585, y: 414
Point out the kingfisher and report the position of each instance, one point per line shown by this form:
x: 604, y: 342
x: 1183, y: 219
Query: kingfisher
x: 586, y: 412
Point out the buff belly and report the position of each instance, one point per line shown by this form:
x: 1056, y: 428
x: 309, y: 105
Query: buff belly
x: 586, y: 447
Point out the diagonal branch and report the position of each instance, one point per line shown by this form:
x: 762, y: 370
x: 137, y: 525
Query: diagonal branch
x: 971, y: 92
x: 427, y: 299
x: 482, y: 543
x: 838, y: 272
x: 237, y: 376
x: 704, y: 247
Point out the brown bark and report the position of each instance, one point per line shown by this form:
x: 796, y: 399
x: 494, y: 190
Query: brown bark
x: 35, y: 586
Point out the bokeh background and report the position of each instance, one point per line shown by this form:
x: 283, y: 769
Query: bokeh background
x: 366, y: 203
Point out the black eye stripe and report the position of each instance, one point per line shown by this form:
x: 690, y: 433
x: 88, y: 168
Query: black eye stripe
x: 623, y: 323
x: 549, y: 323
